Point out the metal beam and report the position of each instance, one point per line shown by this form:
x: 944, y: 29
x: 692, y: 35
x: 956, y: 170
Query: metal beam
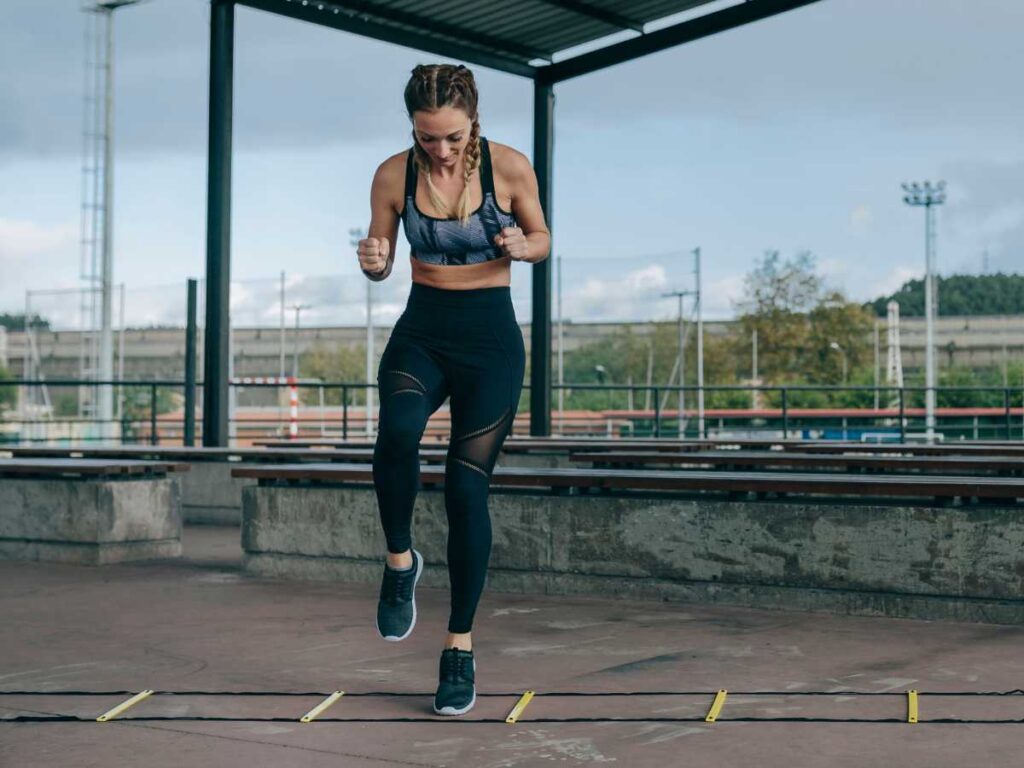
x: 669, y: 37
x: 326, y: 15
x: 445, y: 29
x: 540, y: 329
x: 218, y: 226
x: 599, y: 14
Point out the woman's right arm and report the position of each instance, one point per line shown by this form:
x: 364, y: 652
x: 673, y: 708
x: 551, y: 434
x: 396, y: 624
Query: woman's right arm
x: 377, y: 251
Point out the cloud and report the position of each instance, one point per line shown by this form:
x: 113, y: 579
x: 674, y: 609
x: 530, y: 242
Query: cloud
x: 892, y: 281
x: 23, y: 239
x: 35, y: 255
x: 860, y: 218
x: 986, y: 206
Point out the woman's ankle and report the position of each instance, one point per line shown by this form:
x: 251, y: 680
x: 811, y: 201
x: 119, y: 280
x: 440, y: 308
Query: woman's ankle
x: 463, y: 640
x: 400, y: 561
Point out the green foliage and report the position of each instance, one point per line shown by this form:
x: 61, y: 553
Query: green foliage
x: 138, y: 404
x: 336, y: 363
x: 8, y: 393
x: 798, y: 320
x: 16, y: 322
x: 998, y: 294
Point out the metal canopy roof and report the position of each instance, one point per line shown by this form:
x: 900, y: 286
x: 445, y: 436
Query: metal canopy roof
x: 525, y: 37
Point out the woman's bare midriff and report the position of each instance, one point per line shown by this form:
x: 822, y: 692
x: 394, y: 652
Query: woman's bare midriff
x: 490, y: 274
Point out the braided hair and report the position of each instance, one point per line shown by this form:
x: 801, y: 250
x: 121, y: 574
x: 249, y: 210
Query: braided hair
x: 431, y: 87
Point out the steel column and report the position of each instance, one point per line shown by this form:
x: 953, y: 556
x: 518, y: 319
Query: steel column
x: 540, y: 329
x: 218, y: 227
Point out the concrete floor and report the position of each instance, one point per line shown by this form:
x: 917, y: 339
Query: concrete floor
x: 199, y: 624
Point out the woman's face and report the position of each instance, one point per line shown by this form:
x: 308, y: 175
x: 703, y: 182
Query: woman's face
x: 443, y: 133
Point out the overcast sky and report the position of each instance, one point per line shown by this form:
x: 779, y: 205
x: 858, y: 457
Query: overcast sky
x: 792, y: 134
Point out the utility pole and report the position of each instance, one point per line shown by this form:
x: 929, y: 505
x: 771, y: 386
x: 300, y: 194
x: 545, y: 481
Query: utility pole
x: 876, y: 363
x: 682, y: 346
x: 928, y: 196
x: 295, y: 358
x: 835, y: 345
x: 700, y: 349
x: 753, y: 369
x: 355, y: 235
x: 281, y: 345
x: 561, y: 343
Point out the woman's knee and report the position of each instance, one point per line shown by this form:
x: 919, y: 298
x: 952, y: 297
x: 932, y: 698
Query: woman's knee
x: 401, y: 427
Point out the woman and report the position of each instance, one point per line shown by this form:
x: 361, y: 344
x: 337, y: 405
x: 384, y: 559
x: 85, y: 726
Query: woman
x: 469, y: 208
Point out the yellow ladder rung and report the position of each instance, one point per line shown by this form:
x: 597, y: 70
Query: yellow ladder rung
x: 319, y: 708
x: 912, y: 706
x: 110, y: 714
x: 716, y: 706
x: 517, y: 710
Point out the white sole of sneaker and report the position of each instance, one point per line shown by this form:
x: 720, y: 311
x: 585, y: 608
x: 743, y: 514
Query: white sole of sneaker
x: 398, y: 638
x: 463, y: 710
x: 454, y: 711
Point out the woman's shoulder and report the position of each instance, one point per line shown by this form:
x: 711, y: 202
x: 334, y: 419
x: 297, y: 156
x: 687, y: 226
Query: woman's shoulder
x: 394, y: 166
x: 390, y: 175
x: 508, y: 161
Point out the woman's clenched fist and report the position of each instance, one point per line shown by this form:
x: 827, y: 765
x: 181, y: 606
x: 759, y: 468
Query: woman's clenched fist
x: 373, y: 254
x: 512, y: 243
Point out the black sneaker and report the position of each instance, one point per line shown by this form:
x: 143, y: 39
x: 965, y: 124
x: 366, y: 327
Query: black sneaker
x: 456, y: 691
x: 396, y: 609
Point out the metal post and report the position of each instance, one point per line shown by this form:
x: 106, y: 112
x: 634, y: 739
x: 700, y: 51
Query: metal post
x: 152, y: 415
x: 120, y: 356
x: 561, y: 344
x: 1006, y: 409
x: 876, y: 363
x: 929, y: 353
x: 105, y: 369
x: 344, y: 412
x: 753, y: 369
x: 281, y: 344
x: 369, y: 358
x: 657, y: 413
x: 785, y: 415
x: 218, y: 226
x: 903, y: 426
x: 682, y: 371
x: 928, y: 196
x: 701, y: 431
x: 190, y: 365
x: 540, y: 329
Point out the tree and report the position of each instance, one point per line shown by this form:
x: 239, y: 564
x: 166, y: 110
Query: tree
x: 8, y: 394
x: 337, y: 363
x: 17, y: 322
x: 797, y: 319
x: 777, y: 297
x: 997, y: 294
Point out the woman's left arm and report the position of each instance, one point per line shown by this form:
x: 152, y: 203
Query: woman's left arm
x: 531, y: 240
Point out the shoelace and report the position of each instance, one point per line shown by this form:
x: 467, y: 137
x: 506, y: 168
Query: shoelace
x: 455, y: 667
x: 397, y: 586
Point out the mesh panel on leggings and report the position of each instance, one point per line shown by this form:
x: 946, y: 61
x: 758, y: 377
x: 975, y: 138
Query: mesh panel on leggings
x: 478, y: 449
x: 397, y: 382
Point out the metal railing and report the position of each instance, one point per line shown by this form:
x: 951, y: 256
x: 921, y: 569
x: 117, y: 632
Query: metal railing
x: 151, y: 411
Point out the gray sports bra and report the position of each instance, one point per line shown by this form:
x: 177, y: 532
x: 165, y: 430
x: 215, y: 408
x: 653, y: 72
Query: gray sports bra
x: 447, y: 241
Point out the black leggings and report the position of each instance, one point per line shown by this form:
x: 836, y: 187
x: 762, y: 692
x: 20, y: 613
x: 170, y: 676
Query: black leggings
x: 465, y: 345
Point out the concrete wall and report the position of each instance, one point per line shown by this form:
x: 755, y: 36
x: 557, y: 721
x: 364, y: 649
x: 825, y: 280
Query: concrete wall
x: 89, y: 522
x: 905, y: 561
x: 210, y: 495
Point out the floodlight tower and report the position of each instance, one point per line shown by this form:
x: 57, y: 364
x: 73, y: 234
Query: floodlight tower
x: 97, y: 257
x: 928, y: 196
